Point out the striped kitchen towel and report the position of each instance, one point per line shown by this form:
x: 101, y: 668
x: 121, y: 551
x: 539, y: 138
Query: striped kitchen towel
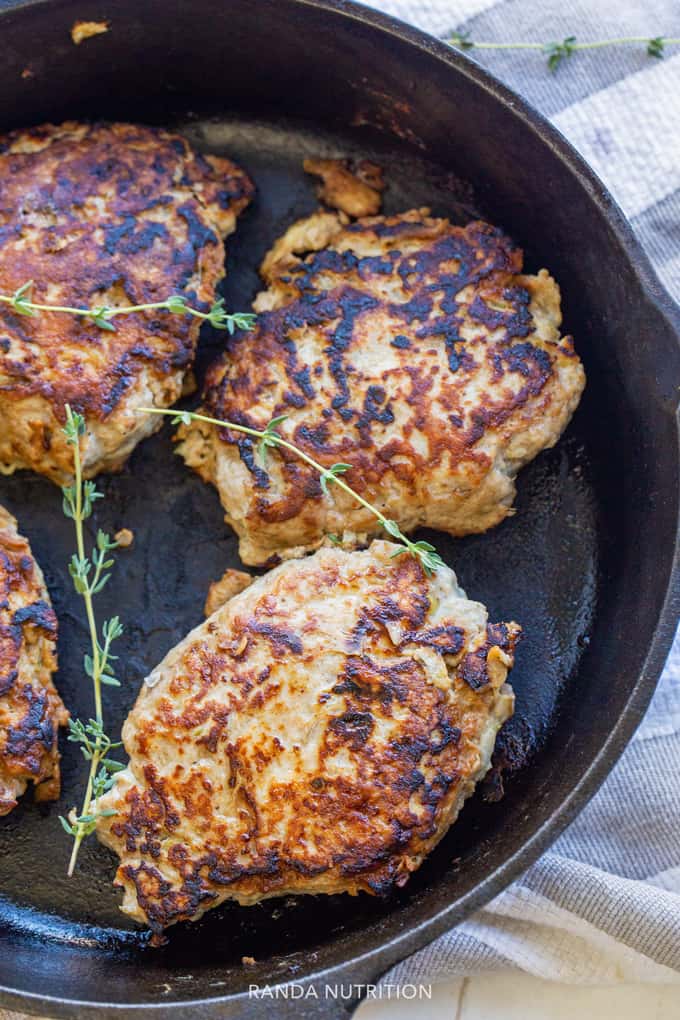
x: 603, y: 905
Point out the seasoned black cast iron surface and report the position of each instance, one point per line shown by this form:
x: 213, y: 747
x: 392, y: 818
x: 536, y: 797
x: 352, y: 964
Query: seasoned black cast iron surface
x: 583, y: 565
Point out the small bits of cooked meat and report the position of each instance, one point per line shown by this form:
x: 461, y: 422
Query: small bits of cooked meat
x: 355, y: 193
x: 415, y: 351
x: 317, y: 734
x: 103, y: 214
x: 82, y: 30
x: 31, y: 711
x: 231, y: 583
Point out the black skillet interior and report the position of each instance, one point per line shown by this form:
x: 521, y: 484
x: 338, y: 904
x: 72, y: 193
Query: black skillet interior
x: 593, y: 527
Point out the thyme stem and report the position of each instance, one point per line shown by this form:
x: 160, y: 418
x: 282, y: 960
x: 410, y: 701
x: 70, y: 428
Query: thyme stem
x: 597, y: 45
x: 89, y: 577
x: 92, y: 626
x: 557, y: 52
x: 22, y: 303
x: 422, y: 551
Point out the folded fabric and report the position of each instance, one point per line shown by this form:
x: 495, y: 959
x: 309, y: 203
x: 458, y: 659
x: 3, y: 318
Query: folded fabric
x: 603, y: 905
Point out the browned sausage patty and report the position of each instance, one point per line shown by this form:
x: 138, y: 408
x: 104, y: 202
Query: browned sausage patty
x: 103, y: 214
x: 31, y: 711
x: 409, y: 348
x: 317, y: 734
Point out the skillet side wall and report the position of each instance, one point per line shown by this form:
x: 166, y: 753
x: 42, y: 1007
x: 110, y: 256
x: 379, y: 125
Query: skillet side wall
x: 280, y: 57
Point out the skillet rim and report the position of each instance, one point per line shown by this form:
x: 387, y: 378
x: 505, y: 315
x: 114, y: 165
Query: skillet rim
x: 367, y: 964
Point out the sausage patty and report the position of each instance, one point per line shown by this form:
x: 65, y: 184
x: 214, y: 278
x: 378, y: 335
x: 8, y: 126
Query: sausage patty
x: 415, y: 351
x: 31, y: 711
x: 103, y: 214
x: 317, y: 734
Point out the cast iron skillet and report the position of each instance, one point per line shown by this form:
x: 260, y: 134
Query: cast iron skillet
x: 587, y: 564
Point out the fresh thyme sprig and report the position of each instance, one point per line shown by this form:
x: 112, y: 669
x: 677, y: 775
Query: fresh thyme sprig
x: 89, y: 575
x: 269, y: 437
x: 557, y: 52
x: 21, y: 302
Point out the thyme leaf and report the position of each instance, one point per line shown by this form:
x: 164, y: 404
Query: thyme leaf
x: 269, y: 437
x: 331, y: 474
x: 559, y: 51
x: 655, y: 47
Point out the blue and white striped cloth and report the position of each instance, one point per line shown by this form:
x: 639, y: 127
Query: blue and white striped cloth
x: 603, y: 905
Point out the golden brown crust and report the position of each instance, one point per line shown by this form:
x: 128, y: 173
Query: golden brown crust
x: 415, y: 351
x: 318, y: 734
x: 103, y: 214
x: 31, y: 711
